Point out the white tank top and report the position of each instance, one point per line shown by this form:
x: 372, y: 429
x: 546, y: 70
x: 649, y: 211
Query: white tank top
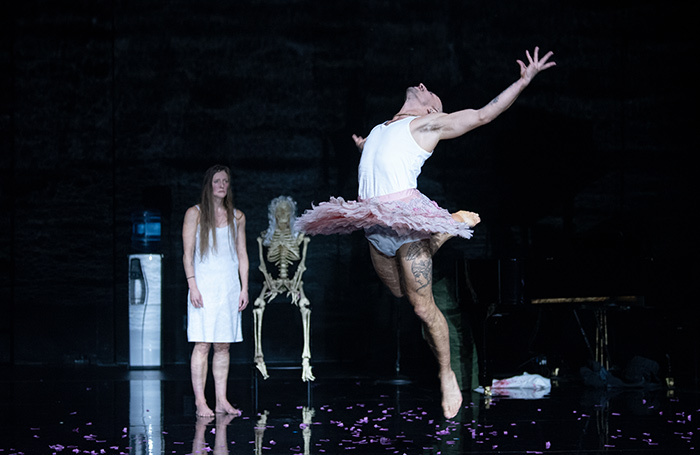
x: 391, y: 160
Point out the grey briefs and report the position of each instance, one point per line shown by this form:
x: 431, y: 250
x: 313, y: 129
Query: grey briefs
x: 388, y: 242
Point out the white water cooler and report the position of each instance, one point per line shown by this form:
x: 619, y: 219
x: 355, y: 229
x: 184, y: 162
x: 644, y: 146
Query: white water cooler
x: 145, y: 282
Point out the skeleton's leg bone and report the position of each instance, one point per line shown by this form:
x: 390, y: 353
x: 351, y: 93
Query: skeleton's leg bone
x: 257, y: 320
x: 306, y: 374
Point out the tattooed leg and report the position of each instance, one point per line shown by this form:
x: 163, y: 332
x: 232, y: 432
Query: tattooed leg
x: 416, y: 268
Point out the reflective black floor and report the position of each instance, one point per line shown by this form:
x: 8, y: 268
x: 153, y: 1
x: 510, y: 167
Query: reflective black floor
x: 100, y: 410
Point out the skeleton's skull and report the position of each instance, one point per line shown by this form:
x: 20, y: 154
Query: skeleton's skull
x: 283, y: 214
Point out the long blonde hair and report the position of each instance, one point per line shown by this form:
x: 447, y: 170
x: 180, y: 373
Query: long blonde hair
x: 207, y: 215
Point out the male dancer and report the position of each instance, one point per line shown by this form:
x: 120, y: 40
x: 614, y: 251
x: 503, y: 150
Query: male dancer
x: 404, y: 228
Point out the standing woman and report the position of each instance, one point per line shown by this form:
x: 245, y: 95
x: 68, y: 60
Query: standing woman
x: 216, y: 267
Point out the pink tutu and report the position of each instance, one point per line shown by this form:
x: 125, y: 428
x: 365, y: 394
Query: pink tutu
x: 407, y: 212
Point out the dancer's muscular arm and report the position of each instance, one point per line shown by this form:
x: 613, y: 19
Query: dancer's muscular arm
x: 430, y: 129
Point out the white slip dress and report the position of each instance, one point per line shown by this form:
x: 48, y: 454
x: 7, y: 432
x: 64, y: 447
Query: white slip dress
x: 219, y: 320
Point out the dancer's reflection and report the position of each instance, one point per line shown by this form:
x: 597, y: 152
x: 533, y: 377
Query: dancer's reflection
x: 200, y: 446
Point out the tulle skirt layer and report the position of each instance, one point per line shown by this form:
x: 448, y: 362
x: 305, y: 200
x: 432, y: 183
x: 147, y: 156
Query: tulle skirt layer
x: 408, y: 212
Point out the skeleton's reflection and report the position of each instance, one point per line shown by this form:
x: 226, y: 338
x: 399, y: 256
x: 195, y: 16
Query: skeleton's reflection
x: 307, y: 415
x: 200, y: 445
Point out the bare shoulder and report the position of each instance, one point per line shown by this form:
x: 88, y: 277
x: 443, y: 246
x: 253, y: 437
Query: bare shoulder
x: 189, y: 225
x: 427, y: 129
x: 192, y: 213
x: 427, y: 122
x: 240, y: 216
x: 432, y: 128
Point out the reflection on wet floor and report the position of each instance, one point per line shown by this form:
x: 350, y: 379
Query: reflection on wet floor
x: 152, y: 412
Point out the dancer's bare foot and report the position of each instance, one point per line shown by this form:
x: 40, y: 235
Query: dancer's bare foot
x: 224, y: 407
x: 463, y: 216
x: 451, y: 395
x: 470, y: 218
x: 203, y: 410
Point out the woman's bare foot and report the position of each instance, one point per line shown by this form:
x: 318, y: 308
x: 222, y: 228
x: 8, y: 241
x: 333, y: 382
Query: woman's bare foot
x: 470, y: 218
x: 451, y: 395
x: 203, y: 410
x: 224, y: 407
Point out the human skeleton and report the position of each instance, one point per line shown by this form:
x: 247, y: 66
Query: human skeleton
x: 283, y: 243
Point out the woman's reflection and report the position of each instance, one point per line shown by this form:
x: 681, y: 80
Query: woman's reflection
x: 200, y: 446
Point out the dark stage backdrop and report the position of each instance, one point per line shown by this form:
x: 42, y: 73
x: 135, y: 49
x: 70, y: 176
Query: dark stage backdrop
x: 110, y: 107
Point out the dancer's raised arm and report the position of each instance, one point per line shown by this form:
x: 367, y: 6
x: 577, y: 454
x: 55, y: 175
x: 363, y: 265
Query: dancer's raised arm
x: 434, y: 127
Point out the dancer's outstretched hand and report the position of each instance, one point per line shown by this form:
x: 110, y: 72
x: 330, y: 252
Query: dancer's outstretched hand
x: 535, y: 64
